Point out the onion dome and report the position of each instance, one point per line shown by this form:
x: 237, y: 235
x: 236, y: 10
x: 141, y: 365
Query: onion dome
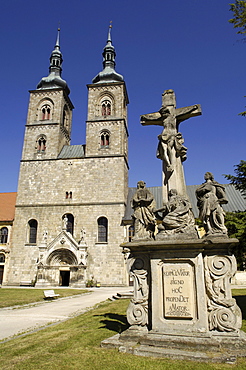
x: 108, y: 73
x: 54, y: 80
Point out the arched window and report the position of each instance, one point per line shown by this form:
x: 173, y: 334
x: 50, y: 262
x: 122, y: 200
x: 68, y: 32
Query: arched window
x: 104, y: 139
x: 4, y: 235
x: 68, y: 222
x: 33, y: 228
x: 45, y: 112
x: 102, y: 223
x: 41, y: 144
x: 106, y: 108
x: 2, y: 261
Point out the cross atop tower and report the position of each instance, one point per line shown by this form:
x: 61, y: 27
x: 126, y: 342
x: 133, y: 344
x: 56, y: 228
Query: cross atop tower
x: 170, y: 149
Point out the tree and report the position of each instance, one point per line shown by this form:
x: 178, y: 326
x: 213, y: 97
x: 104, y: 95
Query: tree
x: 239, y: 19
x: 236, y: 226
x: 240, y: 179
x: 236, y: 222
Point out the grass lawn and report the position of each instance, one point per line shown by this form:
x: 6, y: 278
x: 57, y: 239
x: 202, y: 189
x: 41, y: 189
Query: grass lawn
x: 75, y: 344
x: 20, y: 296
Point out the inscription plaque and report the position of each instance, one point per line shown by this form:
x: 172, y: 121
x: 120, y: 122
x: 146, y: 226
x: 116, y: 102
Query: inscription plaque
x: 178, y: 283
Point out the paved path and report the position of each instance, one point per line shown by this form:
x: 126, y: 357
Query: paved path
x: 18, y: 320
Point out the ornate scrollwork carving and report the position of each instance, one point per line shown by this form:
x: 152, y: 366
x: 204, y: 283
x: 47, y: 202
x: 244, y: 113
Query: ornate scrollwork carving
x: 223, y: 312
x: 137, y: 312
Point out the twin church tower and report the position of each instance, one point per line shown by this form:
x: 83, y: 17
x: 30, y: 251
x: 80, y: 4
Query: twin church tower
x: 72, y: 198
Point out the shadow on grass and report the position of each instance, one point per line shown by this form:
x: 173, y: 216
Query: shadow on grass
x: 241, y: 302
x: 114, y: 322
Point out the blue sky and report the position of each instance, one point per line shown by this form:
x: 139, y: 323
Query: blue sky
x: 187, y: 46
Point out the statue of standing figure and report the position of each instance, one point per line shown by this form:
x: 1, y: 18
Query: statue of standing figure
x: 210, y: 196
x: 143, y: 204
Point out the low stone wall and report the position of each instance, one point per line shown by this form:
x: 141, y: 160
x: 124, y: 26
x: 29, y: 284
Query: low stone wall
x: 239, y: 278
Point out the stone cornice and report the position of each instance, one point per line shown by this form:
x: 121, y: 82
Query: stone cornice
x: 69, y: 204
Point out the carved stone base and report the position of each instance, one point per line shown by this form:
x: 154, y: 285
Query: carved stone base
x: 203, y: 347
x: 182, y: 305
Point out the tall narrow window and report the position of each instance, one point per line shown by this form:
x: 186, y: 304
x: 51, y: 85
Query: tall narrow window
x: 46, y: 112
x: 68, y: 221
x: 33, y: 228
x: 130, y: 233
x: 4, y: 235
x: 102, y: 230
x: 106, y: 108
x: 104, y: 139
x: 65, y: 120
x: 41, y: 144
x: 103, y: 109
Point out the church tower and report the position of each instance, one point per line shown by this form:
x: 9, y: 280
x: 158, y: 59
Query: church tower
x: 106, y: 130
x: 107, y: 146
x: 48, y: 126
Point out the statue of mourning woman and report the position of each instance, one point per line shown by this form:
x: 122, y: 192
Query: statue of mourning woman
x: 177, y: 218
x: 210, y: 196
x: 143, y: 204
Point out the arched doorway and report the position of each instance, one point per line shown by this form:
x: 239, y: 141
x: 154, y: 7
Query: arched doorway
x: 62, y: 259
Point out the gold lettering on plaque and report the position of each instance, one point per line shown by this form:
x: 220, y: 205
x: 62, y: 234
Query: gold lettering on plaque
x: 178, y: 281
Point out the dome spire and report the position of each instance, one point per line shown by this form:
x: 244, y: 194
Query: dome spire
x: 58, y: 38
x: 108, y: 74
x: 109, y: 31
x: 54, y: 79
x: 56, y: 57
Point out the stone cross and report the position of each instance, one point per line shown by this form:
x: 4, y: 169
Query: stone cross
x: 170, y: 149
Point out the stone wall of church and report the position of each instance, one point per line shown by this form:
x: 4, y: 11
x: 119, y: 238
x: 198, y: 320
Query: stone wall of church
x: 105, y: 261
x: 91, y: 180
x: 115, y: 122
x: 55, y: 141
x: 98, y: 187
x: 55, y: 98
x: 117, y: 138
x: 115, y: 92
x: 51, y: 127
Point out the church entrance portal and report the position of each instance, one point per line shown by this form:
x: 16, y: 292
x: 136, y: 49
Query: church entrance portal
x: 64, y: 278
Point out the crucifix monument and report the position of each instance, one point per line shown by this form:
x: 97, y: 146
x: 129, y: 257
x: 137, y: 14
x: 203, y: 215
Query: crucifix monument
x: 170, y: 149
x: 182, y: 305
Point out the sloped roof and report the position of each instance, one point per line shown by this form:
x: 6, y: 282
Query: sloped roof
x: 7, y: 206
x: 72, y: 151
x: 236, y: 201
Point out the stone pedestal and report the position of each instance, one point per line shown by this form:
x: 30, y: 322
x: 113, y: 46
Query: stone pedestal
x: 182, y: 305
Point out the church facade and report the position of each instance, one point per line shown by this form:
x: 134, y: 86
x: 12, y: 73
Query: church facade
x: 72, y: 198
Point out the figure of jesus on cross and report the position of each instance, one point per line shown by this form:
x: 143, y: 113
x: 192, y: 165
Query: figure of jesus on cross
x: 170, y: 149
